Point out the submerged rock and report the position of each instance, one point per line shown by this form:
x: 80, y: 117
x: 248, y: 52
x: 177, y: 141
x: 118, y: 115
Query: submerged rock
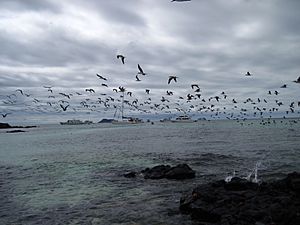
x: 131, y: 174
x: 241, y: 202
x: 181, y: 171
x: 15, y: 131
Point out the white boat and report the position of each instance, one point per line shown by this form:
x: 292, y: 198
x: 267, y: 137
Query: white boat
x: 76, y: 122
x: 183, y: 119
x: 127, y: 120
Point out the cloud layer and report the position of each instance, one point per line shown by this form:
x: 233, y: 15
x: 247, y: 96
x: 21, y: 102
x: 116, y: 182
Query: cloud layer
x: 212, y: 43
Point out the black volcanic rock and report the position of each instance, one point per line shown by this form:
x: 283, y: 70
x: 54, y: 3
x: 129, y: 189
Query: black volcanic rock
x: 241, y: 202
x: 131, y: 174
x: 181, y: 171
x: 4, y: 126
x: 15, y: 131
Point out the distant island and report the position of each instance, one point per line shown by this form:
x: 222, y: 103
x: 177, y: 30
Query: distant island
x: 106, y: 121
x: 7, y: 126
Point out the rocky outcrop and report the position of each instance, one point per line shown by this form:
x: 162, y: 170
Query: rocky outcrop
x: 4, y: 126
x: 15, y: 131
x: 241, y: 202
x: 179, y: 172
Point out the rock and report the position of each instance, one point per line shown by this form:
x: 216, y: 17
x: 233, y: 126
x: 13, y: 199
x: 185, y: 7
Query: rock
x: 157, y: 172
x: 245, y: 203
x: 4, y: 126
x: 131, y: 174
x: 15, y: 131
x: 181, y: 171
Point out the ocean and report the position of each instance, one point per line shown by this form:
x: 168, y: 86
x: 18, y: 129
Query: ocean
x: 56, y: 174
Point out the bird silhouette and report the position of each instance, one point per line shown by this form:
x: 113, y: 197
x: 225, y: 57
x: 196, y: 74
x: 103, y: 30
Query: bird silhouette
x: 20, y: 91
x: 122, y: 58
x: 5, y: 114
x: 283, y: 86
x: 297, y: 81
x: 141, y: 71
x: 64, y: 108
x: 90, y: 90
x: 180, y: 0
x: 172, y: 78
x: 137, y: 78
x: 101, y: 77
x: 147, y: 91
x: 248, y: 74
x: 195, y: 86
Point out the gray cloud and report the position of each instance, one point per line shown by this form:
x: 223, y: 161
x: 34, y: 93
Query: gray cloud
x: 212, y: 43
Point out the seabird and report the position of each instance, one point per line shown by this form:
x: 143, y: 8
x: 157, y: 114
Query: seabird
x: 122, y: 58
x: 172, y: 78
x: 20, y: 91
x: 180, y: 0
x: 195, y: 85
x: 147, y: 91
x: 298, y: 80
x: 90, y: 90
x: 141, y: 70
x: 103, y: 78
x: 64, y: 107
x: 283, y: 86
x: 248, y: 74
x: 4, y: 115
x: 104, y: 85
x: 137, y: 78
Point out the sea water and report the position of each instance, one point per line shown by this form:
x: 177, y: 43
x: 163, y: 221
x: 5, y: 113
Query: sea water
x: 58, y: 174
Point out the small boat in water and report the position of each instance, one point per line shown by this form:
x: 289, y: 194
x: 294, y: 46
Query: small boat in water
x: 183, y: 119
x: 76, y: 122
x: 127, y: 120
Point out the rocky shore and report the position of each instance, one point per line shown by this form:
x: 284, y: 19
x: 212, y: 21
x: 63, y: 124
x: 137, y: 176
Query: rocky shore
x: 179, y: 172
x: 240, y: 202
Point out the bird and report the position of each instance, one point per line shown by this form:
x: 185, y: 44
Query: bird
x: 180, y: 0
x: 122, y: 58
x: 141, y: 71
x: 90, y: 90
x: 147, y: 91
x: 4, y: 114
x: 172, y: 78
x: 104, y: 85
x: 103, y: 78
x: 248, y: 74
x: 137, y: 78
x: 195, y: 85
x: 297, y: 81
x: 20, y: 91
x: 63, y: 94
x: 283, y: 86
x: 64, y: 107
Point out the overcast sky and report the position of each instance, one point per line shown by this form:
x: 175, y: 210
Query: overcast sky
x: 212, y: 43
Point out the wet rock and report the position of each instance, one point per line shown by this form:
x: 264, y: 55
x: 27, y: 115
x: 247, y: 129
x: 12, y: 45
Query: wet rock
x: 181, y: 171
x: 131, y: 174
x: 242, y: 202
x: 15, y: 131
x: 157, y: 172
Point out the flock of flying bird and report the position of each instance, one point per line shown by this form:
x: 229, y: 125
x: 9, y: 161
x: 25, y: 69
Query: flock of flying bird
x: 89, y: 100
